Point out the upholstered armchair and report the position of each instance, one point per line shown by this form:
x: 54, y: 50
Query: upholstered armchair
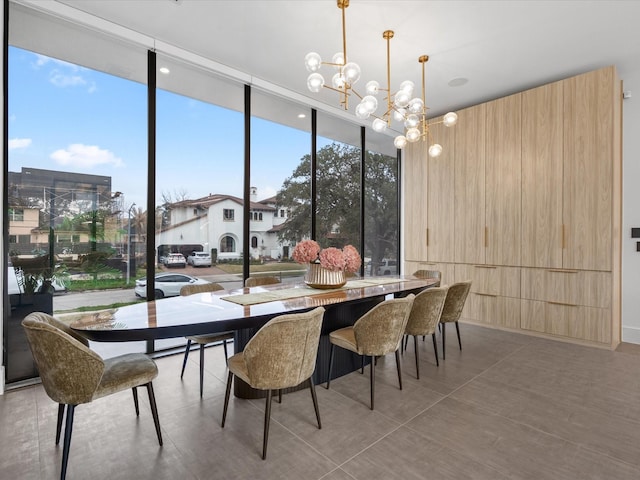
x: 453, y: 305
x: 73, y: 374
x: 259, y: 281
x: 203, y: 340
x: 282, y: 354
x: 376, y: 333
x: 429, y: 274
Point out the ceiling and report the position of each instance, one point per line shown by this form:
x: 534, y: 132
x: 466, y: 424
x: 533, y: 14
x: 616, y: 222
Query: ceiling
x: 500, y: 47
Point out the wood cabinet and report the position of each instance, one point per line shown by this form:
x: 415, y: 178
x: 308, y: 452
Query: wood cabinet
x: 415, y: 201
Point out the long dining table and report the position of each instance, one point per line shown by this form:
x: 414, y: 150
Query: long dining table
x: 244, y: 311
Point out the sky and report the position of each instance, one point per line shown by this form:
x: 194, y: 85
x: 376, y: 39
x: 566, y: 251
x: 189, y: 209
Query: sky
x: 70, y: 118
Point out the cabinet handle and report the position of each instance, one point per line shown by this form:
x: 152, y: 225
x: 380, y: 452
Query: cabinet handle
x: 563, y: 238
x: 561, y: 270
x: 485, y: 266
x: 486, y: 237
x: 563, y: 304
x: 485, y: 294
x: 427, y: 235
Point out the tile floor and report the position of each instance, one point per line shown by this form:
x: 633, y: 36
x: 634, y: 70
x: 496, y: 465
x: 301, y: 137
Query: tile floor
x: 507, y: 406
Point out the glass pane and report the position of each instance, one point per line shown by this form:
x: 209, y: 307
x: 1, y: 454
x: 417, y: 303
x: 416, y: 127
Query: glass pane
x: 280, y: 185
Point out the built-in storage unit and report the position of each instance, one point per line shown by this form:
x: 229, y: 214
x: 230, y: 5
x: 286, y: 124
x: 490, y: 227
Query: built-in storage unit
x: 527, y: 196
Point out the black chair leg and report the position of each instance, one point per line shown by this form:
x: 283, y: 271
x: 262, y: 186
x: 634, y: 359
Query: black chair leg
x: 435, y: 348
x: 458, y: 332
x: 135, y: 400
x: 314, y: 397
x: 267, y: 419
x: 415, y: 346
x: 280, y: 395
x: 226, y: 398
x: 331, y: 352
x: 59, y: 425
x: 186, y: 355
x: 201, y: 368
x: 373, y: 380
x: 154, y: 411
x: 444, y: 337
x: 399, y: 368
x: 226, y: 354
x: 68, y: 429
x: 362, y: 365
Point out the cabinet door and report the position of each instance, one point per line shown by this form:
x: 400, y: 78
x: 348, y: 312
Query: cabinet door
x: 415, y: 201
x: 503, y: 179
x: 469, y: 206
x: 440, y: 198
x: 542, y: 157
x: 588, y: 169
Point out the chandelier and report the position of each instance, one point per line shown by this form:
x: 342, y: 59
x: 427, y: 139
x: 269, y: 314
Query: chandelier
x: 401, y: 106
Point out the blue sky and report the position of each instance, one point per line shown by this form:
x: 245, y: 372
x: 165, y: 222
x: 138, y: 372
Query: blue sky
x: 70, y: 118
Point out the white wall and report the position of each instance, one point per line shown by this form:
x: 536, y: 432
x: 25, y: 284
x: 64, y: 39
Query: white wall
x: 631, y: 208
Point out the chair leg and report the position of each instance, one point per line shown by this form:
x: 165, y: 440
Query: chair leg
x: 314, y: 397
x: 226, y: 398
x: 458, y: 332
x: 59, y: 425
x: 226, y: 354
x: 331, y: 352
x: 444, y: 337
x: 399, y: 368
x: 435, y: 348
x: 201, y: 368
x: 362, y: 365
x: 373, y: 380
x: 280, y: 395
x: 406, y: 342
x: 68, y: 428
x: 154, y: 411
x: 135, y: 400
x: 186, y: 355
x: 267, y: 419
x: 415, y: 346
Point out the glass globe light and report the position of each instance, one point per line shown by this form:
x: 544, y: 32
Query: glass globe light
x: 338, y: 59
x: 372, y: 87
x: 400, y: 141
x: 412, y: 121
x: 402, y: 99
x: 399, y: 114
x: 379, y: 125
x: 362, y: 111
x: 315, y: 82
x: 435, y: 150
x: 413, y: 135
x: 312, y: 61
x: 450, y: 119
x: 370, y: 102
x: 351, y: 73
x: 337, y: 81
x: 407, y: 87
x: 416, y: 105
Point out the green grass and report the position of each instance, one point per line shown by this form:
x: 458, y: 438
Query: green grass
x: 103, y: 283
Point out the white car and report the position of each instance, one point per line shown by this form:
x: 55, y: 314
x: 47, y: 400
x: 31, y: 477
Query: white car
x: 174, y: 260
x: 167, y: 284
x: 15, y: 282
x: 386, y: 267
x: 199, y: 259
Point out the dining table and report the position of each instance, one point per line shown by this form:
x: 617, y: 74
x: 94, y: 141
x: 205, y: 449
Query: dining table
x: 245, y: 310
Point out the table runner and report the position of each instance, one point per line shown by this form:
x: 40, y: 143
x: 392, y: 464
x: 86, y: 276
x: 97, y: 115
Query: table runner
x: 288, y: 293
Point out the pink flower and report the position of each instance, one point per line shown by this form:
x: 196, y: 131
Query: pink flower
x: 332, y: 259
x: 306, y: 251
x: 352, y: 258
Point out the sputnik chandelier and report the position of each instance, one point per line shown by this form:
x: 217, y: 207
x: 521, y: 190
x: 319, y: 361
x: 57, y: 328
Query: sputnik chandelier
x: 400, y: 106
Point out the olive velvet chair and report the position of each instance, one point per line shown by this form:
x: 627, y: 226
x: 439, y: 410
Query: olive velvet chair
x: 259, y: 281
x: 453, y: 305
x: 282, y: 354
x: 73, y: 374
x: 376, y: 333
x: 429, y: 274
x: 203, y: 340
x: 424, y: 318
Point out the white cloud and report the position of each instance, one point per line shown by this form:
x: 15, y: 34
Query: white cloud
x: 85, y: 156
x: 15, y: 143
x: 59, y: 79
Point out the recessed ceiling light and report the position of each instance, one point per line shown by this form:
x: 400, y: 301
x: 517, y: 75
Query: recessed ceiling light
x: 164, y: 70
x: 302, y: 115
x: 458, y: 82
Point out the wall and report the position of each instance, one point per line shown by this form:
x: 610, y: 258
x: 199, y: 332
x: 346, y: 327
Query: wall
x: 2, y: 207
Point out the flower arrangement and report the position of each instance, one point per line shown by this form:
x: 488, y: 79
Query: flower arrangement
x: 332, y: 258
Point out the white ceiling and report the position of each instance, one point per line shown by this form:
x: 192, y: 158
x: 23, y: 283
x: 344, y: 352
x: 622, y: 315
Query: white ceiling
x: 501, y: 47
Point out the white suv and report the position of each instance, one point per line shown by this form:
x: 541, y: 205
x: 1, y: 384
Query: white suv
x: 199, y: 259
x: 386, y: 267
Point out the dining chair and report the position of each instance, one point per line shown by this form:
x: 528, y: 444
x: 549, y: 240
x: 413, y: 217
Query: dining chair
x: 282, y: 354
x: 258, y: 281
x: 73, y: 374
x: 376, y: 333
x: 203, y: 340
x: 424, y: 317
x: 429, y: 274
x: 453, y: 305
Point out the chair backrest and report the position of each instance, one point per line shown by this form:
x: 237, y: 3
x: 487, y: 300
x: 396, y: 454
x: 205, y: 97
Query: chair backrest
x: 69, y: 370
x: 257, y: 281
x: 379, y: 331
x: 426, y: 311
x: 200, y: 288
x: 454, y: 303
x: 429, y: 274
x: 283, y: 352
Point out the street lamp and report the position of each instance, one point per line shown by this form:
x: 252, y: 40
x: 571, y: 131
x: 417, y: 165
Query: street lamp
x: 129, y: 242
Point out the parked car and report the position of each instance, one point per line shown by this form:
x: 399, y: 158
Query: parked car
x: 174, y: 260
x: 15, y: 282
x: 386, y: 267
x: 199, y: 259
x: 167, y: 284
